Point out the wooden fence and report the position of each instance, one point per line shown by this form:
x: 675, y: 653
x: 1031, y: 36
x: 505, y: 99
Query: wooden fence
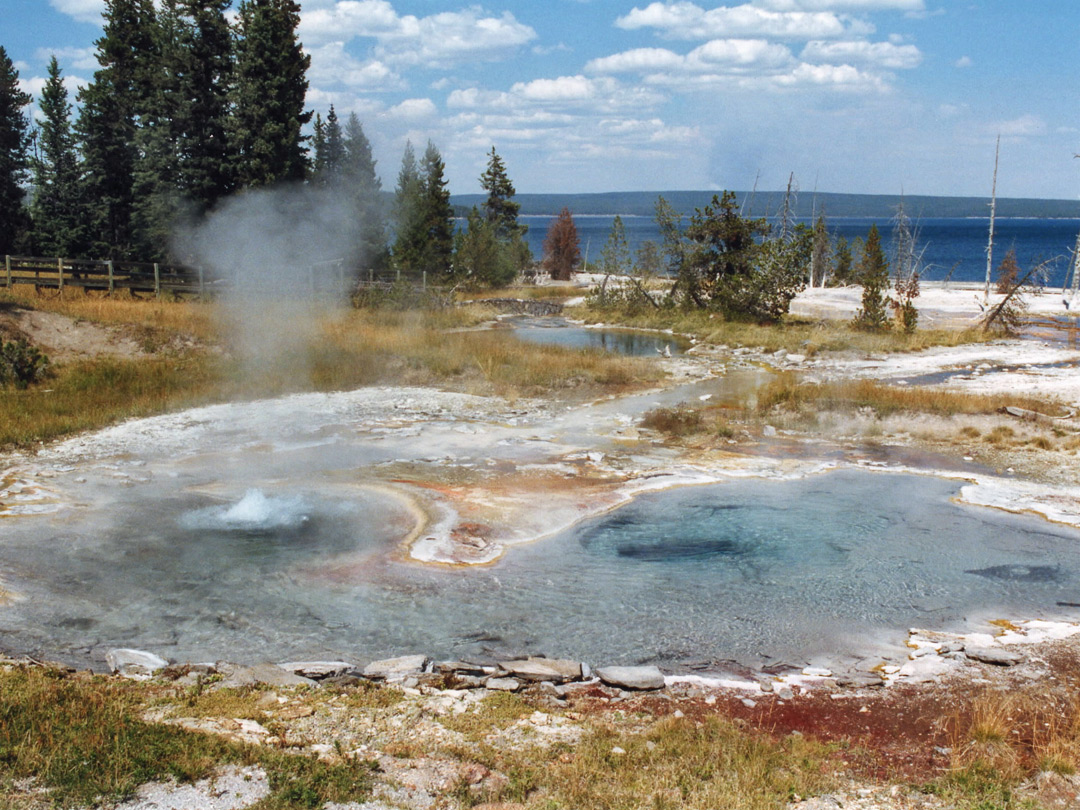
x: 324, y: 278
x: 105, y: 275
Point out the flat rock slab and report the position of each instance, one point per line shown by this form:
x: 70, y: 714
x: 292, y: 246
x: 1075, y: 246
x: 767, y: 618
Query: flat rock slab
x: 994, y: 655
x: 134, y: 663
x: 632, y: 677
x: 268, y: 674
x: 390, y: 669
x: 503, y: 684
x: 544, y: 669
x: 317, y: 670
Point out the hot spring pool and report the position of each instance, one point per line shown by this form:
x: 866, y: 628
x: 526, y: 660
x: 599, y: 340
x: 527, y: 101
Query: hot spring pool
x: 757, y: 572
x: 631, y: 342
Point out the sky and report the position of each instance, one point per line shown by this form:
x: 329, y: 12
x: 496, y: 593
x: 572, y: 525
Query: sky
x: 860, y: 96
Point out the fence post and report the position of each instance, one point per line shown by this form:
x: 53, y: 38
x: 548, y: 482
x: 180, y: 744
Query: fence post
x: 157, y: 280
x: 7, y: 266
x: 112, y: 278
x: 398, y: 274
x: 60, y: 271
x: 423, y: 281
x: 202, y: 285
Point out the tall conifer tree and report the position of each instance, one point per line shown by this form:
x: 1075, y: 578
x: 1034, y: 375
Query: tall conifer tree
x: 108, y: 122
x: 409, y: 218
x: 438, y: 213
x: 205, y: 72
x: 56, y: 209
x: 499, y: 208
x: 14, y: 140
x: 363, y: 190
x: 270, y: 86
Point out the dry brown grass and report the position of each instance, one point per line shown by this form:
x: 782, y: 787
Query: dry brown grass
x: 796, y: 336
x: 786, y: 392
x: 187, y: 317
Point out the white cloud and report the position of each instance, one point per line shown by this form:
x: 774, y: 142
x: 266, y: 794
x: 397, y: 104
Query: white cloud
x: 880, y: 54
x: 963, y: 62
x: 685, y: 20
x: 331, y: 65
x: 437, y: 40
x: 413, y: 109
x: 82, y: 10
x: 842, y: 5
x: 1024, y: 126
x: 717, y: 56
x: 78, y: 58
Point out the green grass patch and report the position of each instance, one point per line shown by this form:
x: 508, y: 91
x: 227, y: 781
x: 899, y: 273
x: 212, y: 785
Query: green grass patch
x: 83, y: 740
x: 497, y: 711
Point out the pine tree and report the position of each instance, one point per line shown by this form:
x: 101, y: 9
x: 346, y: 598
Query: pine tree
x: 873, y: 274
x: 107, y: 124
x: 334, y: 163
x: 562, y: 247
x: 499, y: 209
x: 318, y: 148
x: 14, y: 159
x: 480, y: 257
x: 363, y: 190
x: 205, y: 72
x: 841, y: 273
x: 157, y: 203
x: 56, y: 209
x: 820, y: 259
x: 615, y: 256
x: 438, y: 213
x: 408, y: 215
x: 270, y: 86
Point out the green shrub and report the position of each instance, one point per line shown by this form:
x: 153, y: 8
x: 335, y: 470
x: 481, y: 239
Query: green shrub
x: 21, y: 364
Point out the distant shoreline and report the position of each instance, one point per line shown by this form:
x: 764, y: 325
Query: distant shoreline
x: 804, y: 204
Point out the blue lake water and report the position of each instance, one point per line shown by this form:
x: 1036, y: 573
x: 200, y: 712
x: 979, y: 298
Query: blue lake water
x: 755, y: 572
x: 955, y: 248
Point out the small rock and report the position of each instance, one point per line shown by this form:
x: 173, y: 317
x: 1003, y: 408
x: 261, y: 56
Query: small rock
x: 748, y: 703
x: 391, y: 669
x: 860, y: 680
x: 632, y: 677
x: 768, y: 430
x: 503, y: 684
x: 678, y: 713
x: 817, y: 672
x: 618, y: 751
x: 995, y: 655
x: 135, y: 664
x: 784, y: 693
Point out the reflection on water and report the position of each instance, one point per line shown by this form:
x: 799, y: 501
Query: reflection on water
x: 753, y: 571
x: 559, y: 332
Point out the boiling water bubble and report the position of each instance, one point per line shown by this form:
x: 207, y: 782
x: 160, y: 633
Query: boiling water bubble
x: 254, y: 513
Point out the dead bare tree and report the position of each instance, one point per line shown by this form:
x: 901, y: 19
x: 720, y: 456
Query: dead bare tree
x: 1008, y: 313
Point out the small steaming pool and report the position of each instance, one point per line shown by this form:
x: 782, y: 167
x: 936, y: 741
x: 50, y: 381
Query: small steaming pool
x: 758, y: 572
x: 631, y: 342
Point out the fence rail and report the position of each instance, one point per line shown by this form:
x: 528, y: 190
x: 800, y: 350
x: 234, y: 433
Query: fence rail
x: 106, y: 275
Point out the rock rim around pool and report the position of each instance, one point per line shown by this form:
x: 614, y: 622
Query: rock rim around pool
x: 635, y: 678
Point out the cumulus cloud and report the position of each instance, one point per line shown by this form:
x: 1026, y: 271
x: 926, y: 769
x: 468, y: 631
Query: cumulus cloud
x: 413, y: 109
x: 78, y: 58
x: 881, y: 54
x: 440, y: 39
x: 686, y: 20
x: 842, y: 5
x: 963, y: 62
x: 331, y: 65
x: 82, y: 10
x: 720, y: 56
